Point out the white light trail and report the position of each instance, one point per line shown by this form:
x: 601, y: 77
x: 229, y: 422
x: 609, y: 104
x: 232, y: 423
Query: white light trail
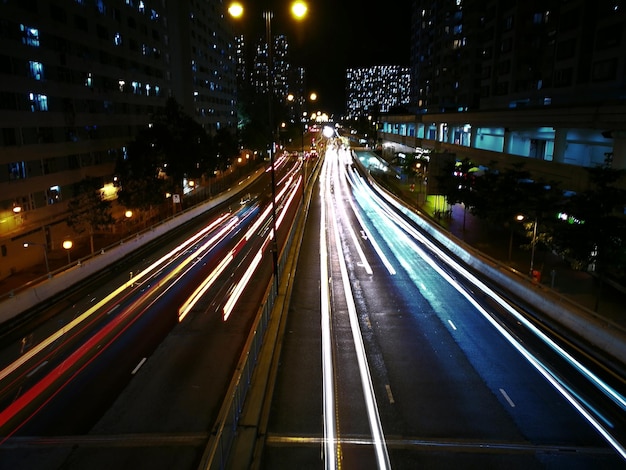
x: 543, y: 369
x: 241, y: 285
x: 618, y: 398
x: 390, y: 269
x: 85, y: 315
x: 328, y: 386
x: 378, y: 437
x: 203, y: 287
x: 290, y: 199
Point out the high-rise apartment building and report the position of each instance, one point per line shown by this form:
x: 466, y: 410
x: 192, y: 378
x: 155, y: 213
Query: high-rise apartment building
x: 474, y: 54
x: 279, y: 71
x: 376, y: 89
x: 78, y: 79
x: 519, y: 80
x: 203, y: 61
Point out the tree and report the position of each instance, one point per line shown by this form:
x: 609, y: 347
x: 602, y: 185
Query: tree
x: 89, y: 211
x: 225, y: 146
x: 173, y: 147
x: 498, y: 196
x: 140, y: 187
x: 454, y: 181
x: 592, y: 229
x: 179, y: 144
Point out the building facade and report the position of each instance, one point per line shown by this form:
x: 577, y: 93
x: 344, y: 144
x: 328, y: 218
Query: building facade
x: 78, y: 79
x: 377, y: 89
x: 537, y: 82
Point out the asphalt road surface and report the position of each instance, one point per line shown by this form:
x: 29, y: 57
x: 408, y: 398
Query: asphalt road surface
x: 389, y: 362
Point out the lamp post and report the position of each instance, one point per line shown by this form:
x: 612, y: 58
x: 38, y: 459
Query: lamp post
x: 67, y: 244
x: 45, y: 253
x: 532, y: 244
x: 298, y: 10
x: 532, y: 248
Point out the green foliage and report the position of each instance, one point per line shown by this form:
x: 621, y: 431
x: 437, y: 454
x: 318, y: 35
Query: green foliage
x: 225, y: 146
x: 455, y: 182
x: 414, y: 165
x: 172, y: 148
x: 89, y: 211
x: 594, y: 233
x: 142, y: 193
x: 179, y: 144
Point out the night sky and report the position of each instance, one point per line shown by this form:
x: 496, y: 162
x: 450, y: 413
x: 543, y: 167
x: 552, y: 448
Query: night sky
x: 339, y: 34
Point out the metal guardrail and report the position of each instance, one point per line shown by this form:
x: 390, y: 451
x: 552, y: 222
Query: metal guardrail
x: 223, y: 436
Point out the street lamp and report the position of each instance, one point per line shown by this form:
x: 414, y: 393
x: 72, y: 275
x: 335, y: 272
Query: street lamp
x: 67, y: 244
x: 45, y: 253
x: 298, y: 10
x: 532, y: 244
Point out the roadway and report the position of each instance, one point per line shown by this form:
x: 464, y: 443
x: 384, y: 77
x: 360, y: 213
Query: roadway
x: 131, y: 370
x: 394, y: 356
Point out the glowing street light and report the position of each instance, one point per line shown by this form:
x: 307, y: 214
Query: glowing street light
x: 67, y: 245
x: 532, y: 244
x: 298, y: 10
x: 235, y: 10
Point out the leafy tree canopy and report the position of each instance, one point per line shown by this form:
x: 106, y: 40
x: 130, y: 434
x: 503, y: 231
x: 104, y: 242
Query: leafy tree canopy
x: 89, y: 211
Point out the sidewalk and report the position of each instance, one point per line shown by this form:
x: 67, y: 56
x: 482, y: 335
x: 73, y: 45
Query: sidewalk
x: 58, y: 258
x: 58, y: 262
x: 579, y: 286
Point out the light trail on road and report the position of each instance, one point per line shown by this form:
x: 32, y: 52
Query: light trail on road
x: 401, y: 230
x: 333, y: 181
x: 328, y: 386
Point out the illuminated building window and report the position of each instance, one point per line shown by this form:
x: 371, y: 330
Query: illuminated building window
x: 53, y: 195
x: 117, y: 39
x: 36, y: 70
x: 38, y: 102
x: 31, y: 36
x: 17, y: 170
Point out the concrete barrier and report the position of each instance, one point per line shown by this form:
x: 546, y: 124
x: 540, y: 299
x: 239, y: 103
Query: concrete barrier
x: 29, y: 298
x: 575, y: 318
